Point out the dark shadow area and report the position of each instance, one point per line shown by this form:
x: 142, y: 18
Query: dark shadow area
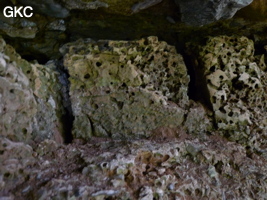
x: 193, y: 91
x: 40, y: 58
x: 67, y: 118
x: 67, y: 121
x: 159, y: 20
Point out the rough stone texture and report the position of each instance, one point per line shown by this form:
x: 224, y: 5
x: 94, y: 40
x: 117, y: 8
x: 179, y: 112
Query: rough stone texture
x: 171, y: 164
x: 15, y: 158
x: 125, y: 89
x: 181, y: 169
x: 27, y: 30
x: 201, y: 12
x: 198, y: 120
x: 236, y: 83
x: 30, y: 103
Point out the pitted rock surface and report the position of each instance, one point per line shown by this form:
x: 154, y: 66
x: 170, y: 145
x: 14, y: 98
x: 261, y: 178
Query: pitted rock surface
x: 236, y: 83
x: 171, y: 164
x: 15, y: 158
x: 125, y: 89
x: 30, y: 101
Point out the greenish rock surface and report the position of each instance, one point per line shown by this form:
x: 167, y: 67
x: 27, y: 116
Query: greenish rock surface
x: 125, y: 89
x: 30, y: 100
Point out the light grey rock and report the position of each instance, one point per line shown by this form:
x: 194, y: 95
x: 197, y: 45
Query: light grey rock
x: 201, y: 12
x: 15, y: 157
x: 144, y: 5
x: 58, y: 25
x: 30, y: 102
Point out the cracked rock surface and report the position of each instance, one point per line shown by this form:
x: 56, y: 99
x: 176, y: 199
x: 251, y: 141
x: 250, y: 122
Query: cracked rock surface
x: 123, y: 89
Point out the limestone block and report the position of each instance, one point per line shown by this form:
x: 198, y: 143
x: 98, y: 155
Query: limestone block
x: 15, y: 157
x: 125, y: 89
x: 236, y: 83
x: 30, y: 102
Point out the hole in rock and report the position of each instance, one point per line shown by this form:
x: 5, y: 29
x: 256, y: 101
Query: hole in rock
x: 41, y: 59
x: 222, y: 110
x: 7, y: 175
x: 123, y: 85
x: 86, y: 76
x: 198, y: 192
x: 98, y: 64
x: 230, y: 114
x: 24, y: 131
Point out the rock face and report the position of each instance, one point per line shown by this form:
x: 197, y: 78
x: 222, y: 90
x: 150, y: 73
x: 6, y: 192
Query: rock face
x: 139, y: 129
x: 236, y: 83
x: 30, y: 106
x: 201, y: 12
x: 15, y: 158
x: 125, y: 89
x: 184, y: 168
x: 55, y: 21
x: 50, y: 8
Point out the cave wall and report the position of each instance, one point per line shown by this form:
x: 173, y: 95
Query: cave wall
x: 133, y: 100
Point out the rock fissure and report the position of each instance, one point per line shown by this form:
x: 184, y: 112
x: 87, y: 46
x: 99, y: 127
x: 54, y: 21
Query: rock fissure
x: 67, y: 118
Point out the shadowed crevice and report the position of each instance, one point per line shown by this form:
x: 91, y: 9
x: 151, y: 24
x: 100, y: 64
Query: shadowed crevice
x: 67, y: 118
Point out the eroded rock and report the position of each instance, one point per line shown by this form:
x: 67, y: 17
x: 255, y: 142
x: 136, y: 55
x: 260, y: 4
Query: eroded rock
x: 125, y: 89
x: 30, y: 101
x: 236, y: 83
x: 15, y: 158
